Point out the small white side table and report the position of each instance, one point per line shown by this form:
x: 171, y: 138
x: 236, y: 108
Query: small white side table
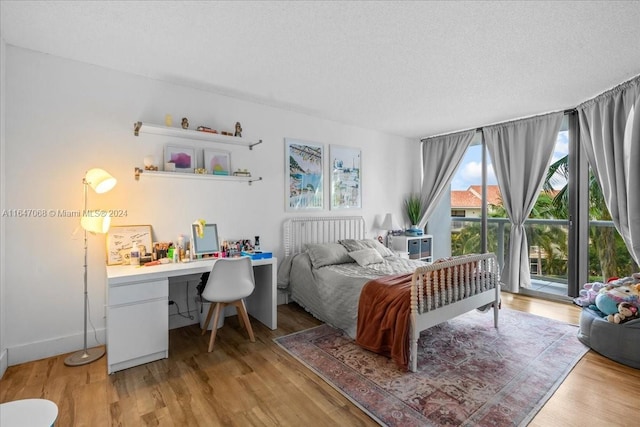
x: 28, y: 413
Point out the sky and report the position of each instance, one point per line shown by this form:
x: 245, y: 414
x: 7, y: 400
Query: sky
x: 470, y: 170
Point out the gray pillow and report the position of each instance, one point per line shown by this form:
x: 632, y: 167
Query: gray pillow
x: 356, y: 245
x: 323, y: 254
x: 366, y: 256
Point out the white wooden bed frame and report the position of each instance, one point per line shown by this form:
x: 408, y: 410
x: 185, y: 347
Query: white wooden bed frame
x: 451, y: 281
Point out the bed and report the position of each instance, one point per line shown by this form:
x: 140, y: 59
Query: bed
x: 334, y: 272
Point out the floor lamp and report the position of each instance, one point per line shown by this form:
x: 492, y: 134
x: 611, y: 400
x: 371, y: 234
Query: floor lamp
x: 101, y: 182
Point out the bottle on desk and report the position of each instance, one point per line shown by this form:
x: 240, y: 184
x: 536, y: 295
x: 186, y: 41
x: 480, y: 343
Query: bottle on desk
x: 180, y: 248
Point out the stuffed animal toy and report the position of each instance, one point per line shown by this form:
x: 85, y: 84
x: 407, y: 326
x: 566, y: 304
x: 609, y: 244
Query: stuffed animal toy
x: 607, y: 300
x: 626, y: 312
x: 588, y: 294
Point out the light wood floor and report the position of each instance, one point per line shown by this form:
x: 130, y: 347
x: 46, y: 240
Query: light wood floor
x: 254, y: 384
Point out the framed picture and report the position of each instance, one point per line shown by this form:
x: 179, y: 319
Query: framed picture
x: 346, y: 177
x: 184, y: 158
x: 121, y: 238
x: 217, y: 162
x: 304, y: 163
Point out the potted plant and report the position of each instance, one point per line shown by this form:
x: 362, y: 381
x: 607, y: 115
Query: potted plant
x: 414, y: 209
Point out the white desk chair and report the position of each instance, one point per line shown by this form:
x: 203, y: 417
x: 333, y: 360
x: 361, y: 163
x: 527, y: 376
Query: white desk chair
x: 230, y: 281
x: 28, y: 413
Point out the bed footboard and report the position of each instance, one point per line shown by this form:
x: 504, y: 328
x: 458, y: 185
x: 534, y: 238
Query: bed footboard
x: 444, y: 290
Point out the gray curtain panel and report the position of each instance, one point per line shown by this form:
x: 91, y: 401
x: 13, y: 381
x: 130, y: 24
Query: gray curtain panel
x: 441, y: 156
x: 610, y: 135
x: 520, y: 152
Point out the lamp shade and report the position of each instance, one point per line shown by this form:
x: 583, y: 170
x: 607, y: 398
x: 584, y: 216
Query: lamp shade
x: 390, y: 223
x: 96, y: 224
x: 100, y: 180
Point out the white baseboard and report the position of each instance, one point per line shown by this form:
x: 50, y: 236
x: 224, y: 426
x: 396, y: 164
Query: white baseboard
x: 4, y: 362
x: 42, y: 349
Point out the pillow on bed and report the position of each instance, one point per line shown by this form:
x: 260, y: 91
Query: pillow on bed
x: 323, y: 254
x: 367, y: 256
x: 356, y: 245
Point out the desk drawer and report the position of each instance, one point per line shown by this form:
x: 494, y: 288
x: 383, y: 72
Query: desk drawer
x: 137, y: 330
x: 140, y: 291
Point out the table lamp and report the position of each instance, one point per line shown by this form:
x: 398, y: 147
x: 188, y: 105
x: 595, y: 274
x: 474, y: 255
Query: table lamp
x: 390, y: 225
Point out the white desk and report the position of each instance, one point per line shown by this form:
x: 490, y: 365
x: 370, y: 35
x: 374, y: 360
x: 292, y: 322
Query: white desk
x: 138, y: 307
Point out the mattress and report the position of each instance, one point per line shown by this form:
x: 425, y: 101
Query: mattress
x: 331, y: 293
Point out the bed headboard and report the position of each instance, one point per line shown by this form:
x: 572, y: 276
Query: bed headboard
x: 300, y: 231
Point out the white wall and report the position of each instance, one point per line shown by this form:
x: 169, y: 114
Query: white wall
x: 3, y: 311
x: 64, y: 117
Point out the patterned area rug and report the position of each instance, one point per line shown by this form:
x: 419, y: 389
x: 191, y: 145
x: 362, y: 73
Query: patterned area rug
x: 469, y: 373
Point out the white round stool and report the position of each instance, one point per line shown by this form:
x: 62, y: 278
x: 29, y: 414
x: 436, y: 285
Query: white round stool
x: 28, y: 413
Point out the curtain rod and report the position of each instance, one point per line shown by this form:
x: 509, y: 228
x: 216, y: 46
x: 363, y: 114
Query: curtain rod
x: 479, y: 129
x: 565, y: 112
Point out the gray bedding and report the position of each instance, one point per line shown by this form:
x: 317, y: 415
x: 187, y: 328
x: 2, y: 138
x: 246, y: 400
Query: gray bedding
x: 331, y: 292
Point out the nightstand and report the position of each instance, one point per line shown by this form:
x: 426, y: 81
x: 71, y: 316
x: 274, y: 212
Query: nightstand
x: 416, y: 247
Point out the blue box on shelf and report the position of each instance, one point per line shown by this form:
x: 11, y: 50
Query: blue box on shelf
x: 258, y: 254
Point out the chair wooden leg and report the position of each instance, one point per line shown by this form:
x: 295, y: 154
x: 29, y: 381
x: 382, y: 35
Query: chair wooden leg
x: 240, y: 318
x: 206, y: 322
x: 242, y: 312
x: 214, y: 328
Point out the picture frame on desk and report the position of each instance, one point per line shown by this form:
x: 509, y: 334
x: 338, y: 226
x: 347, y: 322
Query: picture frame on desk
x: 121, y: 237
x: 184, y: 158
x: 217, y: 162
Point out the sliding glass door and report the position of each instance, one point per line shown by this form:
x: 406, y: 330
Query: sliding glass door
x: 570, y: 235
x: 479, y: 220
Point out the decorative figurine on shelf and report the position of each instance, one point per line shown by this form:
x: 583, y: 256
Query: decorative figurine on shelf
x: 185, y: 123
x: 149, y: 163
x: 238, y: 130
x: 168, y: 120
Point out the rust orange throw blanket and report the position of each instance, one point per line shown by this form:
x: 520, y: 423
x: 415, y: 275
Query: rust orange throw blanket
x: 383, y: 317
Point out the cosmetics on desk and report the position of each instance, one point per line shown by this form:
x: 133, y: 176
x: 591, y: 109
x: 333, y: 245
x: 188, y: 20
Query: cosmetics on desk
x: 180, y: 251
x: 134, y: 259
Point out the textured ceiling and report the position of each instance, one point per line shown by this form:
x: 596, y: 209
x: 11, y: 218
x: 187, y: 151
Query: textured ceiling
x: 407, y: 68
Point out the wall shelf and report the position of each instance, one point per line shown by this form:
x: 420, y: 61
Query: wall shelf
x: 140, y: 127
x: 172, y: 175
